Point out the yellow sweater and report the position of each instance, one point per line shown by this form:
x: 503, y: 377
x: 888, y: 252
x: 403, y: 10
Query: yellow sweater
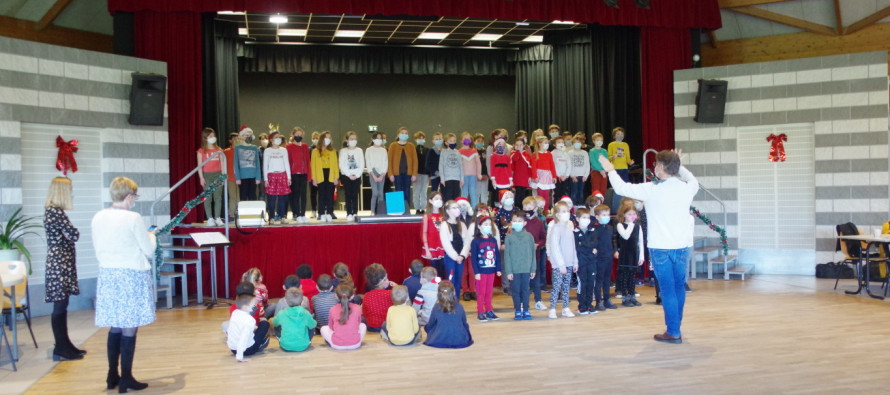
x: 619, y: 162
x: 327, y: 160
x: 401, y: 324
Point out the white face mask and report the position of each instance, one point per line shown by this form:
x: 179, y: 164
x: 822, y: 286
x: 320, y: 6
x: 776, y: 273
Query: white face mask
x: 264, y: 143
x: 327, y: 141
x: 437, y: 203
x: 314, y: 141
x: 352, y: 143
x: 544, y: 147
x: 577, y: 145
x: 563, y: 217
x: 560, y: 146
x: 598, y: 143
x: 420, y: 141
x: 211, y: 140
x: 277, y: 141
x: 584, y: 222
x: 378, y: 142
x: 619, y: 137
x: 508, y: 202
x: 485, y: 229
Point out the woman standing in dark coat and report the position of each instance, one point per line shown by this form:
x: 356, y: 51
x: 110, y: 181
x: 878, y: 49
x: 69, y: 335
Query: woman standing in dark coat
x: 61, y: 268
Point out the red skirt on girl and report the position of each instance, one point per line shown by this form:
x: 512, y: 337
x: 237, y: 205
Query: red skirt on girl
x: 277, y: 184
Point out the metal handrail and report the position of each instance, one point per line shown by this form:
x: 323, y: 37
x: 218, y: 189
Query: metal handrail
x: 645, y: 167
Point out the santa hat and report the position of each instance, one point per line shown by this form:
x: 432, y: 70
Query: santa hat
x: 597, y: 193
x: 567, y: 199
x: 245, y: 132
x: 502, y: 193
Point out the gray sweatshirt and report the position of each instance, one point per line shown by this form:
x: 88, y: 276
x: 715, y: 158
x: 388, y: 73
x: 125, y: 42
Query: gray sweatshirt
x: 561, y: 245
x: 451, y: 167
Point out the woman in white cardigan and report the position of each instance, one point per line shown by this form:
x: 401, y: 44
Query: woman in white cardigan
x: 125, y: 298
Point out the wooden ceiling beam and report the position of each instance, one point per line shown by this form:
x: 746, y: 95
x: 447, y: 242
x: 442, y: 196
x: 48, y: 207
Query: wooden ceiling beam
x: 51, y: 14
x: 55, y: 35
x: 745, y: 3
x: 785, y: 20
x: 867, y: 21
x: 839, y: 27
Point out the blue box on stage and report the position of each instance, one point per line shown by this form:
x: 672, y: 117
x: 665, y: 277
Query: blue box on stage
x: 395, y: 203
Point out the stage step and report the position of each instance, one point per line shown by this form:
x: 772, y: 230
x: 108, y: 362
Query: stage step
x: 721, y: 260
x: 740, y: 270
x: 167, y: 290
x: 185, y: 248
x: 180, y: 261
x: 707, y: 249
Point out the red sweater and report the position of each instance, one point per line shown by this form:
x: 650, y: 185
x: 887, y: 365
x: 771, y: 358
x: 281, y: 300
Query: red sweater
x: 522, y: 171
x: 501, y: 169
x: 298, y: 155
x: 375, y: 305
x: 543, y: 161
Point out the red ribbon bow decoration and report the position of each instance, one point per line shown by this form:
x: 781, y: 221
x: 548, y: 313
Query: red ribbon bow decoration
x: 65, y: 160
x: 777, y: 147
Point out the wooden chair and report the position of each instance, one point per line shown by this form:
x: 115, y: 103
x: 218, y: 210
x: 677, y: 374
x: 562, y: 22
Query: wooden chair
x: 6, y: 339
x: 22, y: 305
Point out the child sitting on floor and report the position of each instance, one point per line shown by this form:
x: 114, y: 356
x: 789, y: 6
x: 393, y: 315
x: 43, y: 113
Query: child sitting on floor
x: 413, y: 281
x: 244, y: 336
x: 427, y: 295
x: 401, y: 327
x: 310, y: 289
x: 447, y: 326
x: 377, y: 300
x: 243, y: 288
x: 345, y: 329
x: 296, y: 323
x: 291, y: 281
x: 325, y: 299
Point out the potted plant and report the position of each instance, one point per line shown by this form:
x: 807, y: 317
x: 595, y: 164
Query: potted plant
x: 11, y: 238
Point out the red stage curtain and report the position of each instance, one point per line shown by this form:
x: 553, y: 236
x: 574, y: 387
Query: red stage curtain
x: 663, y: 50
x: 175, y: 38
x: 665, y: 13
x: 277, y: 251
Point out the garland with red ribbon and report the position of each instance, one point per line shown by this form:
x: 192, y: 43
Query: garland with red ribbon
x: 65, y: 159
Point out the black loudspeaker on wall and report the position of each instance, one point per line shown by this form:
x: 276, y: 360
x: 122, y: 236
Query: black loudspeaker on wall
x: 147, y: 96
x: 710, y: 102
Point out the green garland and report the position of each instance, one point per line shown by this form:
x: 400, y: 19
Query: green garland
x: 704, y: 218
x: 166, y: 229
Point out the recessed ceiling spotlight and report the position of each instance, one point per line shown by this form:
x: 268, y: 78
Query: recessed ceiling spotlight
x: 291, y: 32
x: 486, y: 37
x: 432, y: 36
x: 534, y: 39
x: 230, y: 12
x: 278, y: 19
x: 349, y: 33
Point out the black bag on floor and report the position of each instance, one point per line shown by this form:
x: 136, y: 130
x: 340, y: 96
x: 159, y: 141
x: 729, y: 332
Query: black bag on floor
x: 834, y: 270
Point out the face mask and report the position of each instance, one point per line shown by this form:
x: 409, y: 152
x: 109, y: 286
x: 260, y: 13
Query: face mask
x: 517, y: 226
x: 619, y: 137
x: 480, y: 145
x: 544, y: 147
x: 554, y: 135
x: 314, y: 141
x: 437, y: 143
x: 467, y: 141
x: 298, y: 138
x: 327, y: 141
x: 598, y: 143
x: 584, y: 223
x: 530, y: 213
x: 277, y: 141
x: 630, y: 218
x: 500, y: 150
x: 485, y: 229
x: 420, y: 141
x: 508, y: 202
x: 378, y: 142
x: 437, y: 203
x: 454, y: 211
x: 452, y: 145
x: 403, y: 137
x: 577, y: 145
x: 638, y: 206
x: 560, y: 146
x: 211, y: 140
x: 603, y: 220
x: 351, y: 143
x: 264, y: 142
x: 563, y: 217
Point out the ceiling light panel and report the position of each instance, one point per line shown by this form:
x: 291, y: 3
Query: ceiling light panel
x: 432, y: 36
x: 278, y: 19
x: 486, y: 37
x: 349, y: 33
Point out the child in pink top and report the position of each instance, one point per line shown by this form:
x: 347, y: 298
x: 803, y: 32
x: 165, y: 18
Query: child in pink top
x: 345, y: 329
x: 472, y: 168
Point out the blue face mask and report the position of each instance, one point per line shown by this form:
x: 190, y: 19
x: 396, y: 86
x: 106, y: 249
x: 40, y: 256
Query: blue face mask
x: 604, y: 220
x: 437, y: 143
x: 480, y: 145
x: 452, y: 145
x: 403, y: 137
x: 517, y: 226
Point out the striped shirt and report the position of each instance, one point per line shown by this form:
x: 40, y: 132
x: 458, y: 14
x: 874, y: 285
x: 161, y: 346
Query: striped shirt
x: 322, y: 304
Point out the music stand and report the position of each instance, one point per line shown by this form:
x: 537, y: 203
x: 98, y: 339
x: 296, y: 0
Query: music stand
x: 211, y: 239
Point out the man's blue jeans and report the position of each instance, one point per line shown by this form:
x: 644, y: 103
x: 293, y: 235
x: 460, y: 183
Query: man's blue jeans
x: 670, y: 269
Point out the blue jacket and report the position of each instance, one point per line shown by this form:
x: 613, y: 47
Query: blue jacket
x: 448, y: 330
x: 585, y: 242
x: 413, y: 285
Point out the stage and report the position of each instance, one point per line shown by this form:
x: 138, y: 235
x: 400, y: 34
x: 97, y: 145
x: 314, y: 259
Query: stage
x: 277, y: 250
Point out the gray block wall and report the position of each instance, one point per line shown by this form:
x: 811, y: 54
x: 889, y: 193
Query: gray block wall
x: 47, y: 84
x: 845, y: 96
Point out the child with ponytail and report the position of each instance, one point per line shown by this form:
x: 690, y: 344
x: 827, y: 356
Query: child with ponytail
x: 345, y: 329
x: 447, y: 326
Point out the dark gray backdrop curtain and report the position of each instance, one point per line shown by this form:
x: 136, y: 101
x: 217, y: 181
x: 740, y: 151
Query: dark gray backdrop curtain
x: 572, y: 75
x: 378, y: 60
x: 616, y: 83
x: 533, y: 98
x: 220, y: 104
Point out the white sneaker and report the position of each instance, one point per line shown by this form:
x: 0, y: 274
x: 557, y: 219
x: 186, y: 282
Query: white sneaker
x: 304, y: 220
x: 210, y: 222
x: 566, y: 312
x: 328, y: 218
x: 619, y: 296
x: 350, y: 218
x: 540, y: 306
x: 637, y: 295
x: 552, y: 313
x: 220, y: 222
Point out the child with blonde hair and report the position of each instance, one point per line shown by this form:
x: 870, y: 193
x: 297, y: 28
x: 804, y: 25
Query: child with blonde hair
x: 401, y: 327
x: 630, y: 253
x: 426, y: 296
x: 255, y: 277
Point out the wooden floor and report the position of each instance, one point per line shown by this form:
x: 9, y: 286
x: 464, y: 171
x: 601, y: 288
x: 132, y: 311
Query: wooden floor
x: 769, y: 334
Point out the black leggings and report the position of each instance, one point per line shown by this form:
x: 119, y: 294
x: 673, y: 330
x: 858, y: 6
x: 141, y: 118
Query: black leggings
x: 247, y: 189
x: 351, y: 188
x: 60, y: 307
x: 297, y: 195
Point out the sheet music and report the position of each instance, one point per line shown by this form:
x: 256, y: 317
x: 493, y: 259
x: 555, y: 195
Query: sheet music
x: 209, y: 238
